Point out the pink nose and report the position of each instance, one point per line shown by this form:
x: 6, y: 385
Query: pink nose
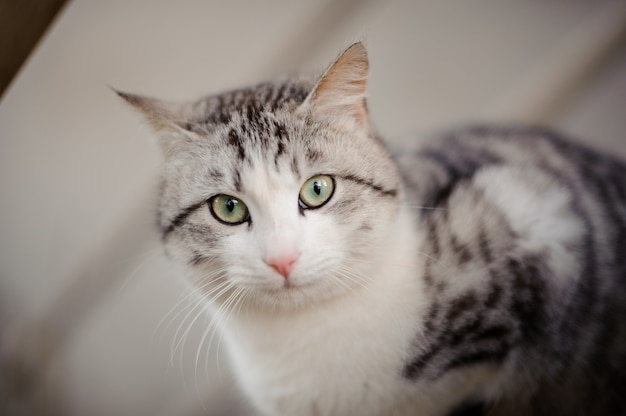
x: 283, y: 265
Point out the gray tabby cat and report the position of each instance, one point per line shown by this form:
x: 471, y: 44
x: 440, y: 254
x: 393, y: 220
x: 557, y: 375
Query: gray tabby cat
x: 483, y: 273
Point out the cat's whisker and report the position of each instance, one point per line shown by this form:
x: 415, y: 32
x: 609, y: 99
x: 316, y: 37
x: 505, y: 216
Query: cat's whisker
x: 233, y: 307
x: 223, y: 311
x: 218, y: 364
x: 150, y: 256
x: 170, y: 314
x: 197, y: 293
x: 212, y: 327
x: 221, y: 287
x: 176, y: 344
x: 437, y: 261
x: 361, y: 280
x: 343, y: 273
x: 216, y: 316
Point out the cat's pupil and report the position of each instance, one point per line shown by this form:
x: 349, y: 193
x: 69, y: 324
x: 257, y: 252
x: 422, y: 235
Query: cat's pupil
x: 230, y: 205
x: 317, y: 188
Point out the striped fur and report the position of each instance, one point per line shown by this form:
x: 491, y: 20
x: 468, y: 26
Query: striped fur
x: 555, y: 315
x: 483, y: 272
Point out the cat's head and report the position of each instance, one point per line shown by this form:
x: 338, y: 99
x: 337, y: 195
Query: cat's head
x: 280, y: 192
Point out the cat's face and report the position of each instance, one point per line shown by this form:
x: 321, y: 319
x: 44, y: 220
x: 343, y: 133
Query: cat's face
x: 280, y: 197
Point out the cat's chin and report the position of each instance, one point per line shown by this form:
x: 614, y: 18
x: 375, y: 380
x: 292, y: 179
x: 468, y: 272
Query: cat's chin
x: 291, y: 296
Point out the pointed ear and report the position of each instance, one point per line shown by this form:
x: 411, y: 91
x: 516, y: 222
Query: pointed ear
x: 166, y: 119
x: 161, y: 115
x: 343, y: 87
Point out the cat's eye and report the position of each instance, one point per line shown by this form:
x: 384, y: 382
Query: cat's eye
x: 228, y: 209
x: 316, y: 191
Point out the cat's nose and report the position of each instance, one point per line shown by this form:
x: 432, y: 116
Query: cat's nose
x: 283, y: 264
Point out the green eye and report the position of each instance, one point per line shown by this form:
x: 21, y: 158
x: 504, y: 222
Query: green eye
x: 316, y: 191
x: 228, y: 209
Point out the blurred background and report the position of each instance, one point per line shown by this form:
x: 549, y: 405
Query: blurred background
x: 93, y: 320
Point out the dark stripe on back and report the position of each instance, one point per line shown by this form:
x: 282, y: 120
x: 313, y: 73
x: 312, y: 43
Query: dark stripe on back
x: 457, y: 170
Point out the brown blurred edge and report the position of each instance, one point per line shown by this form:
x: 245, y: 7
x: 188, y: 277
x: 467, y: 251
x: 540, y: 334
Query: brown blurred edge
x: 22, y: 24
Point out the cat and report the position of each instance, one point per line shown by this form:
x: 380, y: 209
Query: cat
x: 483, y: 272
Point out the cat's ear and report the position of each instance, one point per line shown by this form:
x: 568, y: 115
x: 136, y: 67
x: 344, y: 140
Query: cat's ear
x: 343, y: 87
x: 165, y: 118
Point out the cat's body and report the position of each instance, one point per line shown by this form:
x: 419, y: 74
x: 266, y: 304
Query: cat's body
x: 484, y: 267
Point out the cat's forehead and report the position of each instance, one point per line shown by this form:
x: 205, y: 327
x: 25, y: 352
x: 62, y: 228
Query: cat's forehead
x: 268, y: 153
x: 247, y: 154
x: 249, y: 122
x: 251, y: 103
x: 259, y: 128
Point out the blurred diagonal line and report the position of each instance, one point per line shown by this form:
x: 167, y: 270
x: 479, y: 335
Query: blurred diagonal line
x: 22, y: 24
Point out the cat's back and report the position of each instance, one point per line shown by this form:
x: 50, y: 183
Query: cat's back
x: 545, y: 218
x: 525, y: 164
x: 456, y: 156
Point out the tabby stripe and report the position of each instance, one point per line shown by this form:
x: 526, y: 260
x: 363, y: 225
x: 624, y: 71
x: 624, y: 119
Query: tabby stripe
x: 180, y: 219
x: 610, y: 204
x: 237, y: 180
x: 528, y: 304
x: 279, y: 96
x: 464, y: 303
x: 457, y: 171
x: 253, y: 114
x: 495, y: 294
x: 483, y: 246
x: 197, y: 259
x: 266, y: 93
x: 433, y: 239
x: 235, y: 140
x: 493, y: 355
x: 365, y: 182
x: 279, y: 151
x: 224, y: 116
x: 295, y: 166
x: 415, y: 367
x: 459, y: 336
x: 461, y: 250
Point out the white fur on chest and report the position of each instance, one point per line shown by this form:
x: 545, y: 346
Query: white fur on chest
x: 343, y: 356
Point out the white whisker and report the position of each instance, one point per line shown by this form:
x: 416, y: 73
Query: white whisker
x: 150, y: 256
x: 200, y: 301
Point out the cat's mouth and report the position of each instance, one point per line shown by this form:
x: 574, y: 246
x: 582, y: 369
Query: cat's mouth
x: 289, y: 287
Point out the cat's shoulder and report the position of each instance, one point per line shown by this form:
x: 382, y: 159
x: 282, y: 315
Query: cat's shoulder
x: 516, y: 187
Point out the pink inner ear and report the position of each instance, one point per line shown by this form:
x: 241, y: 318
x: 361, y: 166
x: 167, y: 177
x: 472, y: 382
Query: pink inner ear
x: 344, y: 85
x: 283, y: 264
